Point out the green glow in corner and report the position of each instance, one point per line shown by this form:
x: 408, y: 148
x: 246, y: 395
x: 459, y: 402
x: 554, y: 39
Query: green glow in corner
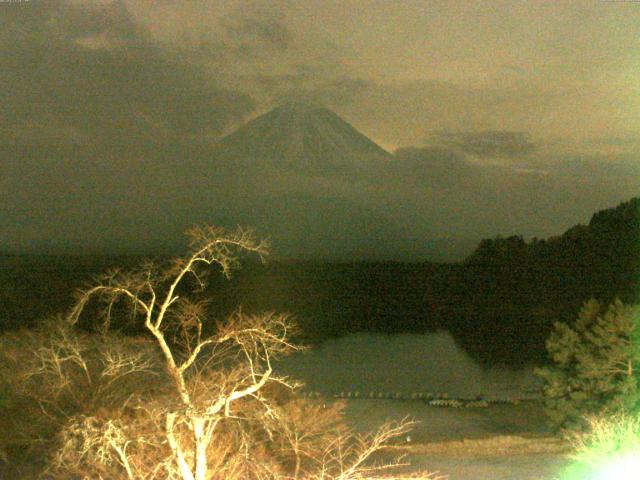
x: 624, y: 468
x: 610, y: 451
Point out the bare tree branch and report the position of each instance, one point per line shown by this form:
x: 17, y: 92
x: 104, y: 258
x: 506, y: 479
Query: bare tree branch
x: 217, y: 417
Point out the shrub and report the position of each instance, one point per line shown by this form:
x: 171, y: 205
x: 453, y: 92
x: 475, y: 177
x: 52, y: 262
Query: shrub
x: 54, y: 373
x: 595, y: 365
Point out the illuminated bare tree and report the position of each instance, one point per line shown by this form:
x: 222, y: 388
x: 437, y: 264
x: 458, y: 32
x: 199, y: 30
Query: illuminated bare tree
x: 219, y: 417
x: 177, y: 325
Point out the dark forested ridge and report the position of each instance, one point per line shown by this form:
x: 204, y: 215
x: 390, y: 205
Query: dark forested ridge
x: 506, y: 296
x: 500, y: 303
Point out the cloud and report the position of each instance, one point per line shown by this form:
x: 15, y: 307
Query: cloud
x: 99, y: 75
x: 435, y: 166
x: 405, y: 113
x: 344, y: 90
x: 99, y: 41
x: 489, y: 143
x: 532, y: 196
x: 262, y: 49
x: 258, y: 29
x: 107, y: 82
x: 419, y: 78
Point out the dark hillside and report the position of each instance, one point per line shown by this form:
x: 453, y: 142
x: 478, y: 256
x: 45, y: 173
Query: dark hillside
x: 502, y: 301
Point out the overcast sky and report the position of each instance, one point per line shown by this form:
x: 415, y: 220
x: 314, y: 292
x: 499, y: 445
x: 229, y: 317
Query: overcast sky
x: 557, y: 70
x: 537, y: 102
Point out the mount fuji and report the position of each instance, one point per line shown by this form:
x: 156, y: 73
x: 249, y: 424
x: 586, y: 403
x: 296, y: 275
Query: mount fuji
x: 312, y: 182
x: 303, y: 138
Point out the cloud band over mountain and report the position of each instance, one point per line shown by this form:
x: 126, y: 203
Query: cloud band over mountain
x: 112, y: 114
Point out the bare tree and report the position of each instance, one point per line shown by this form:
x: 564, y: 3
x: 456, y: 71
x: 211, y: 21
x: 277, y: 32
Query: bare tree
x: 54, y: 374
x: 217, y: 416
x: 154, y: 295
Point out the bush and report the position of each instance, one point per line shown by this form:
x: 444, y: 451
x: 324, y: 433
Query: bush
x: 595, y: 365
x: 54, y: 373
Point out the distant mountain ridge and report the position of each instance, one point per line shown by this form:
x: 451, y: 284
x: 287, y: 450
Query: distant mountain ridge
x: 298, y: 174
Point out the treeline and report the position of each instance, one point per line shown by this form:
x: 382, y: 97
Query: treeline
x: 335, y: 299
x: 500, y: 303
x: 503, y: 300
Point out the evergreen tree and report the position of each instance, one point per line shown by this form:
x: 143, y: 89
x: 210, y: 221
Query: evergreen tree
x: 595, y: 365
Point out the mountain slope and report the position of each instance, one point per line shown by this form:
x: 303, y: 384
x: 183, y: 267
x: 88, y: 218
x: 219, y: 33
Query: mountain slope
x: 303, y: 138
x: 310, y: 181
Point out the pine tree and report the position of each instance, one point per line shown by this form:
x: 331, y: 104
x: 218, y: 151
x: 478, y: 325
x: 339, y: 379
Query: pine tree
x: 595, y: 365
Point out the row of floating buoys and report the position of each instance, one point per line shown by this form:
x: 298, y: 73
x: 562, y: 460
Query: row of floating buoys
x: 438, y: 399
